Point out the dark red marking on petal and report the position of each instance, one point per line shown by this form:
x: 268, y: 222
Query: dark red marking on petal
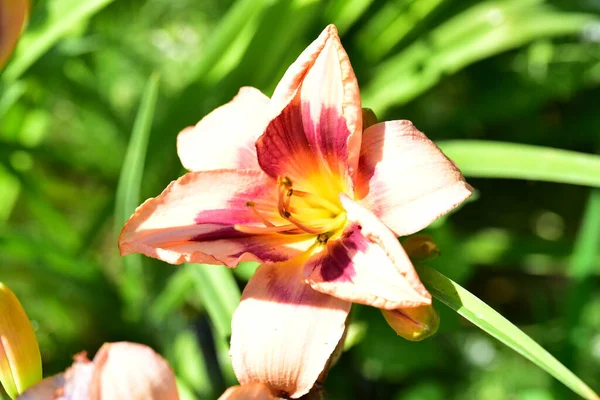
x: 335, y: 264
x: 294, y: 144
x: 226, y: 232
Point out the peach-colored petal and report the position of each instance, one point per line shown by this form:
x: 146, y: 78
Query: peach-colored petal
x: 12, y: 17
x: 366, y: 265
x: 195, y: 219
x: 405, y: 179
x: 321, y: 114
x: 78, y: 378
x: 224, y: 139
x: 131, y: 371
x: 252, y: 391
x: 283, y: 332
x: 46, y: 389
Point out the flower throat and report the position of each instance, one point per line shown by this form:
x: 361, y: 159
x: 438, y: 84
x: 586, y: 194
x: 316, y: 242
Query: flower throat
x: 307, y: 213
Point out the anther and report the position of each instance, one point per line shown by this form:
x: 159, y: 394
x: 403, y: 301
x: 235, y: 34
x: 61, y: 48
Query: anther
x: 323, y: 238
x: 251, y: 204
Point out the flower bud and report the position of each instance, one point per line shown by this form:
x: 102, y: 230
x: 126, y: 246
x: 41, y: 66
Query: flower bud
x: 131, y: 371
x: 369, y: 118
x: 20, y: 359
x: 413, y: 324
x: 119, y: 371
x: 420, y: 248
x: 12, y: 18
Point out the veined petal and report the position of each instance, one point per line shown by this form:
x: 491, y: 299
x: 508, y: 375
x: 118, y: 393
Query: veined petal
x: 321, y: 119
x: 131, y: 371
x: 194, y: 220
x: 252, y: 391
x: 405, y: 179
x: 283, y: 332
x: 366, y: 265
x: 12, y: 17
x: 224, y: 139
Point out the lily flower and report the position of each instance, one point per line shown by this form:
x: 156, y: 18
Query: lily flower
x: 119, y: 371
x: 296, y: 183
x: 20, y: 359
x: 13, y: 14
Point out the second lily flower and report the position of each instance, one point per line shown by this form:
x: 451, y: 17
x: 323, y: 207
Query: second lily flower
x: 297, y: 183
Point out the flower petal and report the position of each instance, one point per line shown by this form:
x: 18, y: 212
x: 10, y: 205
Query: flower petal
x: 283, y: 331
x: 366, y: 265
x: 46, y: 389
x: 252, y: 391
x: 131, y: 371
x: 224, y: 139
x: 194, y: 220
x: 405, y: 179
x: 20, y: 359
x: 12, y: 17
x: 321, y: 119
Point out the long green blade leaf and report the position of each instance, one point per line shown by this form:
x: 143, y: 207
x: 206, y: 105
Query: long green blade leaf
x: 490, y: 159
x: 219, y: 293
x: 61, y: 17
x: 487, y: 319
x: 128, y: 192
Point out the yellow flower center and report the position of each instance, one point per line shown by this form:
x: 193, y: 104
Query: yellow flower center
x: 307, y: 213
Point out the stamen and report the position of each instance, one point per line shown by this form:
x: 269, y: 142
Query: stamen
x: 300, y: 225
x: 318, y: 200
x: 285, y: 195
x: 265, y: 221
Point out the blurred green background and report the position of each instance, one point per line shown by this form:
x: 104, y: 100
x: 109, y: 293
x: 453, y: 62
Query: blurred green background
x: 76, y: 126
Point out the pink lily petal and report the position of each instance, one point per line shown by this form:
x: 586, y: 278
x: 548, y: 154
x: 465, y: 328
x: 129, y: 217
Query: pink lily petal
x: 224, y: 139
x: 194, y: 220
x: 252, y: 391
x: 366, y: 265
x: 321, y: 121
x: 405, y: 179
x: 131, y: 371
x: 283, y: 331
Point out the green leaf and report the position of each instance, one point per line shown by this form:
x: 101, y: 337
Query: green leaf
x: 61, y: 17
x: 219, y: 293
x: 490, y: 159
x: 582, y: 265
x: 484, y: 30
x: 128, y: 193
x: 487, y: 319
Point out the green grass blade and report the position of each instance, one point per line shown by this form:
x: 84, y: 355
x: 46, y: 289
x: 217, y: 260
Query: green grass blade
x: 218, y: 292
x: 587, y: 244
x: 61, y: 17
x: 583, y: 264
x: 488, y: 159
x: 233, y: 25
x: 487, y: 319
x: 128, y: 192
